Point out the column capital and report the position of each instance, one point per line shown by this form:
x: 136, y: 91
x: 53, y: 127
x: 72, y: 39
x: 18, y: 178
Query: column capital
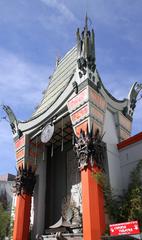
x: 90, y: 149
x: 25, y: 180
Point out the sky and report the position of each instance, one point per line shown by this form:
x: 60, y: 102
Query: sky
x: 33, y: 33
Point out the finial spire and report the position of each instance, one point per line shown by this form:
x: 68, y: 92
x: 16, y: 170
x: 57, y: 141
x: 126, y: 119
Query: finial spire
x: 86, y: 46
x: 86, y: 21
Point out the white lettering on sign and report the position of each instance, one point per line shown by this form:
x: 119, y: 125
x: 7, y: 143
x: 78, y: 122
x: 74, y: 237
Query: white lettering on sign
x: 78, y: 100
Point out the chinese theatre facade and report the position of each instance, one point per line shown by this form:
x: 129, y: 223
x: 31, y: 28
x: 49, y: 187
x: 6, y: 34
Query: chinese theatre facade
x: 72, y: 135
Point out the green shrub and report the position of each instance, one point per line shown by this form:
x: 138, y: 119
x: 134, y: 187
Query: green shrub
x: 4, y: 221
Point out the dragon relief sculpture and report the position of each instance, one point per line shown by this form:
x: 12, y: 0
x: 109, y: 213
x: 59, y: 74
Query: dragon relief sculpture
x: 90, y: 150
x: 12, y: 120
x: 132, y: 99
x: 25, y: 180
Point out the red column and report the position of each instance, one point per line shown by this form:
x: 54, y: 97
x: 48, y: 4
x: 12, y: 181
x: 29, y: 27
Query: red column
x: 22, y: 217
x: 93, y: 206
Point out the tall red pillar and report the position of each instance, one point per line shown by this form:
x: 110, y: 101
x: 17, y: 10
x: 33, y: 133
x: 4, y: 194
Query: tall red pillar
x: 87, y: 112
x: 93, y: 206
x: 22, y: 217
x: 24, y: 186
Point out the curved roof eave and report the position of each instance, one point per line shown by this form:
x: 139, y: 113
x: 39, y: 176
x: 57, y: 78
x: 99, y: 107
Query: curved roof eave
x: 54, y: 109
x: 112, y: 101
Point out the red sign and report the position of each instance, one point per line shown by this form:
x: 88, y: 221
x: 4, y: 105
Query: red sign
x: 78, y: 100
x: 124, y: 228
x: 20, y: 142
x: 20, y: 154
x: 80, y: 114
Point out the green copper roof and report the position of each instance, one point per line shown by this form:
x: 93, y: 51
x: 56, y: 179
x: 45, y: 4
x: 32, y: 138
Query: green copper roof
x: 59, y: 81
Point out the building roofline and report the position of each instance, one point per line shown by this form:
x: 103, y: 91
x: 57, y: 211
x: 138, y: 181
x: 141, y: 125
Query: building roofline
x: 7, y: 177
x: 129, y: 141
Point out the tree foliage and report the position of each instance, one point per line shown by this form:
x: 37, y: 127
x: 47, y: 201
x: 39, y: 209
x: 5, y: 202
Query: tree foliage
x: 128, y: 206
x: 4, y: 221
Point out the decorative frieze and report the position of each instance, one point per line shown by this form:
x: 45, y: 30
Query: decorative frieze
x: 97, y: 125
x: 79, y: 115
x: 91, y: 112
x: 20, y: 154
x: 123, y: 126
x: 123, y: 135
x: 78, y: 100
x: 20, y: 142
x: 124, y: 122
x: 96, y: 114
x: 83, y: 125
x: 96, y: 99
x: 36, y: 150
x: 21, y: 147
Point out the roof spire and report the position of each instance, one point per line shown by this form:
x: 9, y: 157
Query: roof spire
x: 86, y: 21
x: 86, y: 46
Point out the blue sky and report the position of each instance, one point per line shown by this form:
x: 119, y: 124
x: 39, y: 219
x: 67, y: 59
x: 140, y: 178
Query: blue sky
x: 34, y: 32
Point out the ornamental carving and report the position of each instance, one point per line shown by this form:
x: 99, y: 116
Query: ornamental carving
x: 90, y: 150
x: 25, y: 181
x: 75, y: 87
x: 70, y: 220
x: 12, y: 120
x: 85, y: 50
x: 132, y: 99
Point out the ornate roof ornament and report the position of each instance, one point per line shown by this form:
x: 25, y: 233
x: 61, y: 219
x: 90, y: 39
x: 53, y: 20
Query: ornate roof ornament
x: 90, y: 150
x: 75, y: 87
x: 132, y: 99
x: 12, y: 120
x: 86, y: 49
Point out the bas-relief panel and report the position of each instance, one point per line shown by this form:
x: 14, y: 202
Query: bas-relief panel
x: 78, y: 100
x: 36, y: 151
x: 83, y: 126
x: 20, y: 148
x: 80, y: 114
x: 73, y: 179
x: 97, y: 114
x: 97, y: 109
x: 97, y: 126
x: 125, y: 122
x: 123, y: 126
x: 20, y: 142
x: 20, y: 154
x: 97, y: 99
x: 123, y: 135
x: 29, y: 151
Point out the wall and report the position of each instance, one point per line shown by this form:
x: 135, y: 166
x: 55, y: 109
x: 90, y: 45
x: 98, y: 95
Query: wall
x: 57, y: 190
x: 38, y: 207
x: 129, y: 157
x: 6, y: 187
x: 56, y: 186
x: 111, y: 139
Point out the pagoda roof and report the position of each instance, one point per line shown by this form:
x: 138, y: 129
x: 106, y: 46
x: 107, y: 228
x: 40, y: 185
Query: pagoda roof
x: 58, y: 81
x: 69, y: 72
x: 58, y: 91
